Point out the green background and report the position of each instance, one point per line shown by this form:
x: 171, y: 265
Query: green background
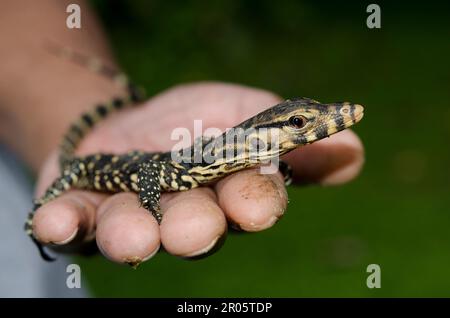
x: 395, y: 214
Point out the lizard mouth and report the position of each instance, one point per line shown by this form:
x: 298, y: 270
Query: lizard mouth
x: 352, y: 121
x: 331, y: 128
x: 359, y: 115
x: 355, y: 116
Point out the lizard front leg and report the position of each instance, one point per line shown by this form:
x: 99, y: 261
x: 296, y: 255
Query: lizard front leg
x: 150, y: 188
x: 286, y: 171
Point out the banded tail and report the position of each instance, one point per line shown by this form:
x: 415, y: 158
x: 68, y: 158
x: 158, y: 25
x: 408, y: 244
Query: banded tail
x: 86, y: 122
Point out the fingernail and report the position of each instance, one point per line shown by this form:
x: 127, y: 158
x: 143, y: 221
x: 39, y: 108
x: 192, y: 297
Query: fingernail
x: 67, y: 240
x: 135, y: 261
x: 204, y: 250
x: 253, y: 227
x: 146, y: 258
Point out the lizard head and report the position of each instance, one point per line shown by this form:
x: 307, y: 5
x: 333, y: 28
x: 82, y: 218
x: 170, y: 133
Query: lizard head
x: 302, y: 121
x: 272, y: 133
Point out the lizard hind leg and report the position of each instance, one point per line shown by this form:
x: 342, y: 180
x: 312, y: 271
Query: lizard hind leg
x: 68, y: 179
x: 150, y: 188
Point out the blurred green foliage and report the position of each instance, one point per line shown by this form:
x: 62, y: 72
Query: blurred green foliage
x: 396, y: 214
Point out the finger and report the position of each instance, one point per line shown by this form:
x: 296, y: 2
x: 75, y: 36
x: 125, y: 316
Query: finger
x: 126, y: 232
x: 69, y: 218
x: 192, y: 224
x: 252, y: 201
x: 331, y: 161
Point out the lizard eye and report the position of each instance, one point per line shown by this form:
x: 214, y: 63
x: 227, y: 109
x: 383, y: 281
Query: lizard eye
x: 298, y: 121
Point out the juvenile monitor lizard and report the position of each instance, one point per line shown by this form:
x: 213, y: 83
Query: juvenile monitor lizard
x: 295, y: 122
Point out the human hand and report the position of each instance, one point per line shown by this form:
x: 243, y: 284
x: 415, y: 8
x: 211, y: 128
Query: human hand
x: 194, y: 221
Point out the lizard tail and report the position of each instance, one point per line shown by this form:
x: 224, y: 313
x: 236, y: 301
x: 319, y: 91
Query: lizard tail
x: 86, y: 122
x: 29, y: 231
